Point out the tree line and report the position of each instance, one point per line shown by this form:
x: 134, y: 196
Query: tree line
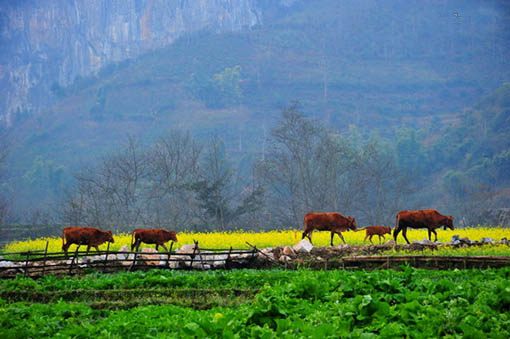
x: 181, y: 183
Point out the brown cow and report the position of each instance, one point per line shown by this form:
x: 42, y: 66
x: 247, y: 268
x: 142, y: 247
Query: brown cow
x: 90, y: 236
x: 327, y: 221
x: 152, y: 236
x: 429, y: 219
x: 380, y: 231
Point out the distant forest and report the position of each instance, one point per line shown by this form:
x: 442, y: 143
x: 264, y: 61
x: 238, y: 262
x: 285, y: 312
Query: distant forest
x: 183, y: 183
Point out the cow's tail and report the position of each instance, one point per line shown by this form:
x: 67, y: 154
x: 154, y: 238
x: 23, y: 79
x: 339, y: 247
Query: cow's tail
x: 359, y: 229
x: 132, y: 236
x: 396, y: 231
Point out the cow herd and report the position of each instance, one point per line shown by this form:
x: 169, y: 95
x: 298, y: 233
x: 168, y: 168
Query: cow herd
x: 334, y: 222
x: 337, y: 223
x: 93, y: 237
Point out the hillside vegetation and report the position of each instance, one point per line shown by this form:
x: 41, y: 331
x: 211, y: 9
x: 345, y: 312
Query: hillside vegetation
x: 408, y: 69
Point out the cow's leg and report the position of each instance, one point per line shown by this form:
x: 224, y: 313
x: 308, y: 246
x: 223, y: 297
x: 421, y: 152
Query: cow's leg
x: 332, y: 235
x: 308, y: 235
x: 65, y: 247
x: 88, y: 249
x: 380, y: 238
x: 157, y: 247
x: 138, y: 243
x: 435, y: 234
x: 341, y: 237
x: 371, y: 235
x: 166, y: 249
x: 404, y: 234
x: 395, y: 234
x: 366, y: 237
x: 97, y: 248
x: 429, y: 235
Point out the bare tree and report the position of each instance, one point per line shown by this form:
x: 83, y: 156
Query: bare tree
x: 381, y: 187
x: 306, y: 169
x: 173, y: 167
x: 113, y: 192
x: 222, y: 196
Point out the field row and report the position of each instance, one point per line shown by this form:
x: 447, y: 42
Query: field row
x: 269, y: 304
x: 238, y: 239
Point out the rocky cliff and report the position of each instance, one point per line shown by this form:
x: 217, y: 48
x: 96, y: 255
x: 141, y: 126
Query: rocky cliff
x: 48, y: 44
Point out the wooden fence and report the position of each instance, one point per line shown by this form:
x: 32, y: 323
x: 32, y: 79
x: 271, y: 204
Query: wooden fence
x: 41, y: 262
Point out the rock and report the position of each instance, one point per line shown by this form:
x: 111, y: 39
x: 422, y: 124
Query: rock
x: 465, y: 241
x: 151, y: 259
x: 455, y: 238
x: 304, y: 246
x: 504, y: 241
x: 220, y: 260
x: 6, y: 264
x: 288, y: 251
x: 487, y: 241
x: 424, y: 242
x: 122, y: 256
x: 390, y: 243
x: 343, y: 247
x: 188, y: 248
x: 285, y: 258
x: 266, y: 255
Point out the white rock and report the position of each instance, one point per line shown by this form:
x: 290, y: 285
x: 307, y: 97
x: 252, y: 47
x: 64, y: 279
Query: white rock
x: 123, y: 256
x: 424, y: 242
x: 7, y: 264
x: 288, y: 251
x: 188, y: 248
x: 487, y: 240
x: 151, y: 259
x: 304, y: 246
x: 266, y: 256
x: 285, y: 258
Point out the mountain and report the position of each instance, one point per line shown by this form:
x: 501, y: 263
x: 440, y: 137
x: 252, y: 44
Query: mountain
x: 76, y: 88
x: 51, y: 44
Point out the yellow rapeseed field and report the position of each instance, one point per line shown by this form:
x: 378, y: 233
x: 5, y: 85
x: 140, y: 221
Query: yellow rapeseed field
x: 238, y: 239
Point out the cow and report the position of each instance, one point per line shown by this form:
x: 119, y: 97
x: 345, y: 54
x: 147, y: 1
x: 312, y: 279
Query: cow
x: 327, y: 221
x: 430, y: 219
x: 90, y: 236
x: 380, y: 231
x: 151, y: 236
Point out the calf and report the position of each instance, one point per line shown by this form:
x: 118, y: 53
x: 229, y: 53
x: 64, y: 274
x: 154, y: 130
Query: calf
x: 90, y: 236
x: 152, y: 236
x: 380, y: 231
x: 334, y: 222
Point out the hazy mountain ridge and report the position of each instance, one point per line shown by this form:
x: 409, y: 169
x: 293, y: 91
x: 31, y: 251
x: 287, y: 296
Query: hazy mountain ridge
x: 49, y: 44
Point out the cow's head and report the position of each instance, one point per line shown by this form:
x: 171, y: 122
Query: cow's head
x: 352, y: 223
x: 448, y: 222
x: 109, y: 236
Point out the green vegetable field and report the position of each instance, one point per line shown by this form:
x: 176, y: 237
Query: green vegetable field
x: 260, y: 304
